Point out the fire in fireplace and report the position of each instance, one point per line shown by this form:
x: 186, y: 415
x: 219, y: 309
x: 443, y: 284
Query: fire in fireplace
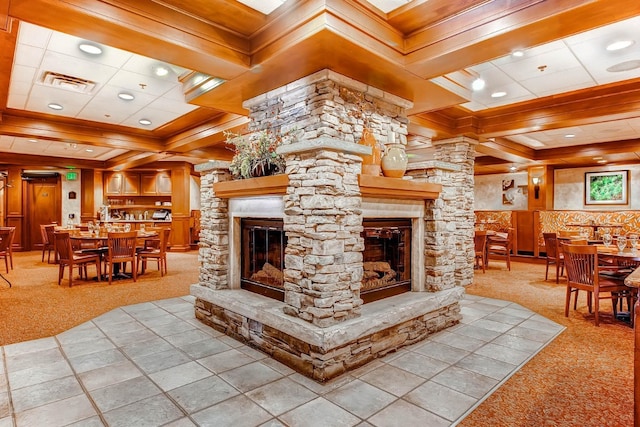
x: 386, y: 258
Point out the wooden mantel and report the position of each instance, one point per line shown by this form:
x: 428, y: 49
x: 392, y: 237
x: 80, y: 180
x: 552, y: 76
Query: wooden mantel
x: 370, y: 186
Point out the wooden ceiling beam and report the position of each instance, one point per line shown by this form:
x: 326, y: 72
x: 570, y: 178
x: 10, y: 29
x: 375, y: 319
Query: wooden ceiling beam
x: 146, y: 28
x: 507, y: 150
x: 476, y: 36
x: 588, y: 106
x: 53, y: 130
x: 211, y: 133
x: 8, y: 158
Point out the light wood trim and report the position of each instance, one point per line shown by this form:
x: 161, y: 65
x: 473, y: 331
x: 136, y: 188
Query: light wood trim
x: 370, y: 186
x: 261, y: 186
x: 395, y: 188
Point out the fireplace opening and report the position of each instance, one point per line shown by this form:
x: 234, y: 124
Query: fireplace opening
x: 386, y: 257
x: 263, y: 244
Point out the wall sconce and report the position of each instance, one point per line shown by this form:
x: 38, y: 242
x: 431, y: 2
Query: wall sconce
x: 536, y: 186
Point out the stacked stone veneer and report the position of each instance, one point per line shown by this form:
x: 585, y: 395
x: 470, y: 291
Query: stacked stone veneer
x: 322, y: 329
x: 449, y: 223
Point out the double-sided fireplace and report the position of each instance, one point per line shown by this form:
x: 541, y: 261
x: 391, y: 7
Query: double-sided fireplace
x: 386, y: 257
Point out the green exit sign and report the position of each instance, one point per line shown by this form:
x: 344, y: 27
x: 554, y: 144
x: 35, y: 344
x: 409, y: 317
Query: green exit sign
x: 72, y: 176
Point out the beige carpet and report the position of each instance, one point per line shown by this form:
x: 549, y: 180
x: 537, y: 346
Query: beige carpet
x: 583, y: 378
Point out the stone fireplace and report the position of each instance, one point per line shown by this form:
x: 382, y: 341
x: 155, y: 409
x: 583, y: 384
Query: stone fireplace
x: 287, y: 260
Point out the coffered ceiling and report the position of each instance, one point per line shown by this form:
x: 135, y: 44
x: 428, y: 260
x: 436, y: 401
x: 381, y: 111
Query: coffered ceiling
x: 564, y: 83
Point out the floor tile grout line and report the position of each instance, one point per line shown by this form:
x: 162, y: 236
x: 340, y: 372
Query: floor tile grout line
x: 10, y: 395
x: 80, y: 383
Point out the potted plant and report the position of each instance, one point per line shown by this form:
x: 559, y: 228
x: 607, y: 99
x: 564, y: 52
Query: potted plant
x: 255, y: 154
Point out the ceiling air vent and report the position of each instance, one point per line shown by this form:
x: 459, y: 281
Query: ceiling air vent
x: 61, y: 81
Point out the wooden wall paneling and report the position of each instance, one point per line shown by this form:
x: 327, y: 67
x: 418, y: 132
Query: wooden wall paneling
x: 180, y: 207
x: 525, y: 232
x: 536, y: 233
x: 15, y: 205
x: 90, y: 198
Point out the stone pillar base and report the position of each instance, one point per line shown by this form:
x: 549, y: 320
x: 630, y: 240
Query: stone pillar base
x: 324, y: 353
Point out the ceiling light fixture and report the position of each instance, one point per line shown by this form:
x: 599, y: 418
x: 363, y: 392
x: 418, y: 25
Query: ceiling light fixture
x: 89, y: 150
x: 624, y: 66
x: 619, y: 45
x: 602, y: 161
x: 513, y: 168
x: 126, y: 96
x: 478, y: 84
x: 144, y: 122
x: 55, y: 106
x: 518, y: 53
x: 161, y: 71
x: 570, y: 135
x: 90, y: 48
x: 498, y: 94
x: 33, y: 140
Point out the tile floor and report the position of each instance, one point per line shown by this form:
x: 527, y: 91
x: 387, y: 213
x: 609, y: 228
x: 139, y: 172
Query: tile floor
x: 153, y: 364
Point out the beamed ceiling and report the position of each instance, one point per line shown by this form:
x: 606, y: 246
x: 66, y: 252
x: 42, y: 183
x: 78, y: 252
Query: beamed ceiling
x: 423, y: 51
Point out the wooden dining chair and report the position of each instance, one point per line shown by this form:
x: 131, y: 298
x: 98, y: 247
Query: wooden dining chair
x: 158, y: 253
x: 67, y: 257
x: 12, y: 235
x: 121, y: 249
x: 501, y: 244
x: 554, y: 255
x: 46, y: 234
x: 480, y: 246
x: 5, y: 242
x: 584, y: 273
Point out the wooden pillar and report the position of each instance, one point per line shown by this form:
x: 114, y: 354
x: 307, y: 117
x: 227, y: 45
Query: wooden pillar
x: 540, y: 185
x: 180, y: 209
x: 90, y: 193
x: 15, y: 208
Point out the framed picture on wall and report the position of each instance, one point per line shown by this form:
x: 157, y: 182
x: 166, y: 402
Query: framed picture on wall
x: 606, y: 188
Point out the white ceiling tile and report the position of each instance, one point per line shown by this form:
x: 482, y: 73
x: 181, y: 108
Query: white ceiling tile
x: 33, y: 35
x: 549, y: 83
x: 17, y: 101
x: 554, y: 61
x: 169, y: 105
x: 68, y: 46
x: 23, y: 74
x: 29, y: 56
x: 141, y: 83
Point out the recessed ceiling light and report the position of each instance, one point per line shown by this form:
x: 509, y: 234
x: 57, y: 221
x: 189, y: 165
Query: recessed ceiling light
x: 518, y: 53
x: 498, y: 94
x: 513, y: 168
x: 602, y: 161
x: 89, y: 150
x: 90, y: 48
x: 55, y: 106
x: 33, y: 140
x: 126, y: 96
x: 161, y: 71
x: 624, y: 66
x: 478, y: 84
x: 144, y: 122
x: 570, y: 135
x: 620, y: 44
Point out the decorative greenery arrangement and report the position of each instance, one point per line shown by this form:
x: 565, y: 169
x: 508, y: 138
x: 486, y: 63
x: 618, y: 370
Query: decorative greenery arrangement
x: 255, y: 154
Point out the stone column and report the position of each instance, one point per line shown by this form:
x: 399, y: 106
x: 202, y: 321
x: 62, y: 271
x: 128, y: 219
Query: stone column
x: 323, y: 223
x: 449, y: 221
x: 214, y: 235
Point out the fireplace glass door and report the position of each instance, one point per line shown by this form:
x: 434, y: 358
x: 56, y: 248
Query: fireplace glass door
x: 263, y: 244
x: 387, y: 258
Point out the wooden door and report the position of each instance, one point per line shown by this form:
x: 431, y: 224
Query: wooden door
x: 43, y: 207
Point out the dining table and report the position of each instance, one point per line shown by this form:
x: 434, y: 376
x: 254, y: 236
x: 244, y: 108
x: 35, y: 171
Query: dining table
x: 98, y: 244
x: 595, y: 227
x: 629, y: 275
